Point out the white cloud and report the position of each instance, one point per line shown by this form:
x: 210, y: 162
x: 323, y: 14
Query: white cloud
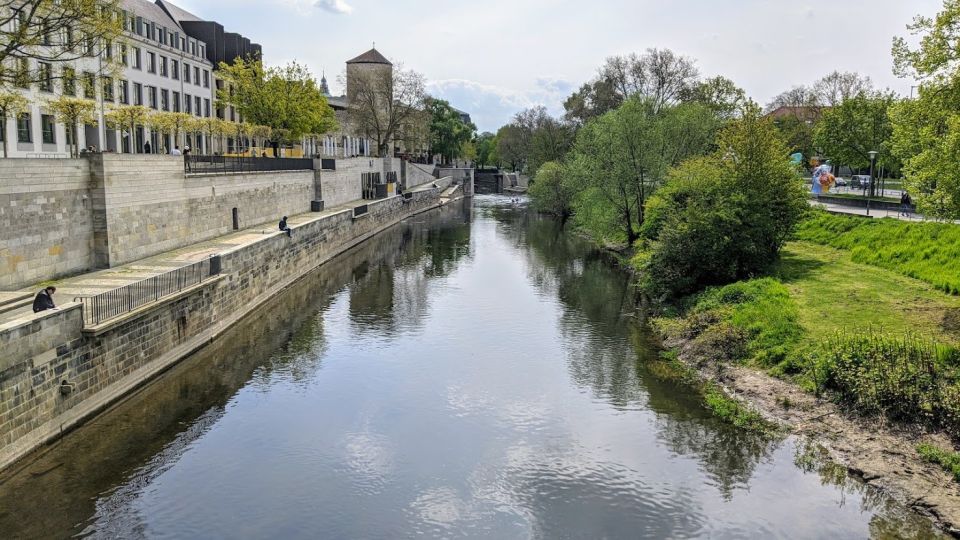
x: 338, y: 7
x: 491, y: 106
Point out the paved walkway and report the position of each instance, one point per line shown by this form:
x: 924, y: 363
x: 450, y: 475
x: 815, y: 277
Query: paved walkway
x: 111, y: 278
x: 858, y: 211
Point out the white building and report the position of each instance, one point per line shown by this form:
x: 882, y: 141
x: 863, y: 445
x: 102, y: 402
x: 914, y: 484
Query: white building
x: 163, y: 69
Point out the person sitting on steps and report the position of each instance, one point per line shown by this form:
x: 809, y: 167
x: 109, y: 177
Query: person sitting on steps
x: 284, y: 227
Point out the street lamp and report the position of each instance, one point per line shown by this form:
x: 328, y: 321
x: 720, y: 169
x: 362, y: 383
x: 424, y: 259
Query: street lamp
x: 873, y: 161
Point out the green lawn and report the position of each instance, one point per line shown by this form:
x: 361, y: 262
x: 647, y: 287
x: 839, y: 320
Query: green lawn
x: 833, y: 293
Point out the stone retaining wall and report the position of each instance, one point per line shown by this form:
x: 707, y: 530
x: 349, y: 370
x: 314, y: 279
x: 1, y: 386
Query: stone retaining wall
x: 46, y: 223
x: 108, y: 362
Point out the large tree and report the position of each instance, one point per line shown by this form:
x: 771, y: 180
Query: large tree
x: 382, y: 102
x: 486, y: 145
x: 128, y: 117
x: 286, y: 98
x: 48, y: 32
x: 719, y: 94
x: 448, y: 131
x: 926, y: 131
x: 658, y: 74
x: 849, y: 131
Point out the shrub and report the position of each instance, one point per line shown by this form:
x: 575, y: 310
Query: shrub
x: 950, y: 461
x: 725, y: 217
x: 552, y: 190
x: 907, y: 378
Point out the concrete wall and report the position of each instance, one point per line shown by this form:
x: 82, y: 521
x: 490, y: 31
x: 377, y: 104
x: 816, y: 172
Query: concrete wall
x: 418, y: 174
x: 107, y: 362
x: 46, y: 225
x: 343, y: 185
x: 152, y: 206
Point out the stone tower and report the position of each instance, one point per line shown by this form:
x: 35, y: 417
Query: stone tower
x: 370, y: 65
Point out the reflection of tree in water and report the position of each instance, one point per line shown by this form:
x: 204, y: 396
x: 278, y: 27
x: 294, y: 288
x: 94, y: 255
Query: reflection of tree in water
x: 889, y: 518
x: 610, y: 353
x: 389, y: 291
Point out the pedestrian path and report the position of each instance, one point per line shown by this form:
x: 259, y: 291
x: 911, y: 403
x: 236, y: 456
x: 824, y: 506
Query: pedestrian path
x: 99, y: 281
x: 859, y: 211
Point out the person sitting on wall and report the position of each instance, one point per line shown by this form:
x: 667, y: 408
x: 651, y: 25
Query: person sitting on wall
x: 44, y: 300
x: 284, y: 227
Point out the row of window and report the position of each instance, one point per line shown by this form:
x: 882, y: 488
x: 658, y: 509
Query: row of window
x: 168, y: 67
x: 163, y: 36
x: 47, y: 129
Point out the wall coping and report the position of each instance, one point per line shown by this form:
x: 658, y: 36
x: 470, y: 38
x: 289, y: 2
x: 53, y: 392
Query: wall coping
x: 31, y: 318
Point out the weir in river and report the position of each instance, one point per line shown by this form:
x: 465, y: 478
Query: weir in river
x: 474, y: 371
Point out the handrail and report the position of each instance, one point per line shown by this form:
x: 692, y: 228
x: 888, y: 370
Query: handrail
x: 111, y: 304
x: 198, y: 164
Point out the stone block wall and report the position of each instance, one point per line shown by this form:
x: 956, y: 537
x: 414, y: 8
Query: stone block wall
x: 104, y: 365
x: 46, y: 226
x: 151, y: 206
x: 343, y: 185
x: 418, y: 174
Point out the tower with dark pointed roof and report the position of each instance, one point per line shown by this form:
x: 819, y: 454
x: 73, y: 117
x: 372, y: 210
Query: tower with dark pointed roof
x: 324, y: 89
x: 369, y: 66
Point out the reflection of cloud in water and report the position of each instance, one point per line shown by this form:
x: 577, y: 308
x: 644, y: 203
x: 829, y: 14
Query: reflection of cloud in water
x: 522, y: 415
x: 441, y: 507
x: 370, y: 460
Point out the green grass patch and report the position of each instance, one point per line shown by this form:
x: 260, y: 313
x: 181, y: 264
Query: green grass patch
x: 733, y: 411
x: 950, y: 461
x: 927, y: 251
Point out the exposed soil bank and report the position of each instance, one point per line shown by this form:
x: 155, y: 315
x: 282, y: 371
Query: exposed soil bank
x: 883, y: 455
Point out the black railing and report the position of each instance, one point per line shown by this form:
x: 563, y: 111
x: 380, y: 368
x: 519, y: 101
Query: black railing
x: 114, y: 303
x: 225, y: 164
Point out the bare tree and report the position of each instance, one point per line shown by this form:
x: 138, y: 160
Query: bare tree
x: 838, y: 87
x: 383, y: 101
x: 658, y: 74
x: 48, y: 32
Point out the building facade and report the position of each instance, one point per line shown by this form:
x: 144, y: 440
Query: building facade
x: 157, y: 64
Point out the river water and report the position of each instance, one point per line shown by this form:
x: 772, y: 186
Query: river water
x: 473, y: 372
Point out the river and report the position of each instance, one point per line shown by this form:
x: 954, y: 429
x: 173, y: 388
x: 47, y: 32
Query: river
x: 472, y: 372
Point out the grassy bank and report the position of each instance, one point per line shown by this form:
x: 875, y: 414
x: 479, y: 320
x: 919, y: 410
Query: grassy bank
x: 928, y: 251
x: 876, y: 340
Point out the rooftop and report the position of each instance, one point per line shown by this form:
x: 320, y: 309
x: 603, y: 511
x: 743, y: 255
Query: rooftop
x: 372, y: 56
x: 177, y: 12
x: 150, y: 11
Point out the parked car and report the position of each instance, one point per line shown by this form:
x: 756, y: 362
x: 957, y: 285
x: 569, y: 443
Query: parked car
x: 859, y: 181
x: 841, y: 181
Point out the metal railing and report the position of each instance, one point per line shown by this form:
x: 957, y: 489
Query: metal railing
x: 227, y: 164
x: 114, y: 303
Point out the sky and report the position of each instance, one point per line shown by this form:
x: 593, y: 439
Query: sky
x: 494, y: 58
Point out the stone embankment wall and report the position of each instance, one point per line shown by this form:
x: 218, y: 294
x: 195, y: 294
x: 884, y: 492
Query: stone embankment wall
x: 60, y: 217
x: 418, y: 174
x: 343, y: 185
x: 104, y: 363
x: 152, y: 206
x: 46, y: 223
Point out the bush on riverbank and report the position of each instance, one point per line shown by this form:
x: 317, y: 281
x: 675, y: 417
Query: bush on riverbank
x: 723, y: 217
x: 926, y: 251
x: 905, y: 378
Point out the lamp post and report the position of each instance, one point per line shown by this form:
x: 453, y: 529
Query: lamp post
x: 873, y: 161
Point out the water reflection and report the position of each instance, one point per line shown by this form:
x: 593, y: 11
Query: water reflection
x: 458, y: 376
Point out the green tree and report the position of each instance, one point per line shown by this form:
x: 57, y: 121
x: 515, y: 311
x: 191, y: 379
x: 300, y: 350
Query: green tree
x: 849, y: 131
x: 12, y: 105
x: 448, y: 132
x: 173, y: 123
x: 723, y: 217
x: 54, y: 32
x: 71, y: 111
x: 622, y: 156
x: 486, y: 146
x: 926, y: 131
x: 128, y: 116
x: 512, y: 146
x: 719, y: 94
x: 553, y: 190
x: 285, y: 98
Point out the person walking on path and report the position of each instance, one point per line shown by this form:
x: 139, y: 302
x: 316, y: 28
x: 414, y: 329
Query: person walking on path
x: 44, y: 300
x: 905, y: 203
x: 284, y: 227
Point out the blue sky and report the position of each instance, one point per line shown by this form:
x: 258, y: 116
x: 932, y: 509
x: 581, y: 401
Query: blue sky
x: 495, y: 57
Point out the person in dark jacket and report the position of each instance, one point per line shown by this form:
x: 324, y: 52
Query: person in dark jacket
x: 284, y: 227
x: 146, y: 148
x: 44, y: 300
